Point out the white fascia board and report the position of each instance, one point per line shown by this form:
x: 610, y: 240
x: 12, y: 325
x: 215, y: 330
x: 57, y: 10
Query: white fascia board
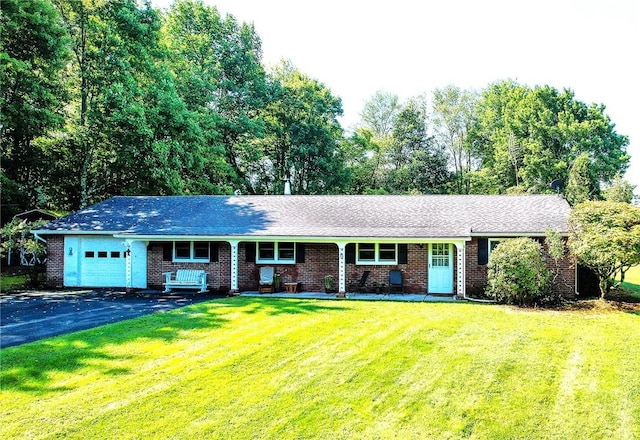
x: 513, y: 234
x: 297, y: 239
x: 58, y: 232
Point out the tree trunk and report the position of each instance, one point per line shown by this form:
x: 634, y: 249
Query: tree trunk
x: 604, y: 286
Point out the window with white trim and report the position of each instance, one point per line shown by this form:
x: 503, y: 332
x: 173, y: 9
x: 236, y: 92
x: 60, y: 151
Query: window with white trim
x: 377, y: 253
x: 283, y: 252
x: 191, y: 251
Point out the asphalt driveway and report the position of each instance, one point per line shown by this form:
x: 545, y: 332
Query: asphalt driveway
x: 32, y: 315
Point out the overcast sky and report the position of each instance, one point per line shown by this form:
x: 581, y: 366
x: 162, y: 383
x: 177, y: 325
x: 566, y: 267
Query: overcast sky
x: 411, y: 47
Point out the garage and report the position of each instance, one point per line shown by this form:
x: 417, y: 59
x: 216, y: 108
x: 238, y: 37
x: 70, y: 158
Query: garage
x: 102, y: 262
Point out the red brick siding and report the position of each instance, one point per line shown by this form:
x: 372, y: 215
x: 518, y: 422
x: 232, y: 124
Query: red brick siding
x: 55, y: 260
x: 322, y: 259
x: 218, y: 272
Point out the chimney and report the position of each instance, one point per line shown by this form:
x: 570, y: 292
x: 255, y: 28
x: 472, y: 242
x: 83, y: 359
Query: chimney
x: 287, y: 187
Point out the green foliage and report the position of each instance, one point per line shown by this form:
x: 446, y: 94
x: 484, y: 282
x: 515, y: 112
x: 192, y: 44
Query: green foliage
x: 605, y: 236
x: 303, y: 136
x: 530, y: 137
x: 581, y: 185
x: 32, y: 95
x: 17, y: 235
x: 101, y: 98
x: 619, y: 191
x: 516, y: 273
x: 452, y: 118
x: 217, y: 65
x: 380, y: 113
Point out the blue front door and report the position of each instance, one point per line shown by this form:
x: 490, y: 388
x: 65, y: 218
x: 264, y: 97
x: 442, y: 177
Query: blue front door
x: 440, y: 268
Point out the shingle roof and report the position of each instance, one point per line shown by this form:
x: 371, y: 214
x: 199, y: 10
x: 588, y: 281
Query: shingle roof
x: 320, y: 216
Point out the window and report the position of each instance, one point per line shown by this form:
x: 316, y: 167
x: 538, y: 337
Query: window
x: 266, y: 251
x: 191, y: 251
x: 89, y: 254
x: 377, y: 253
x: 115, y: 254
x: 276, y: 252
x: 201, y: 250
x: 102, y: 254
x: 493, y: 242
x: 440, y: 254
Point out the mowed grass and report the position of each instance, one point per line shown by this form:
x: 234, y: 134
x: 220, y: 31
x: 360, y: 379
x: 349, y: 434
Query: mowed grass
x: 632, y: 281
x: 244, y: 368
x: 9, y: 282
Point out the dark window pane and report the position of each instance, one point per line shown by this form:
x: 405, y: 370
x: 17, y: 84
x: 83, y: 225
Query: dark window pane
x: 183, y: 250
x: 102, y: 254
x: 367, y: 251
x: 387, y: 252
x: 89, y: 254
x: 286, y: 251
x: 266, y: 251
x: 115, y: 254
x: 201, y: 250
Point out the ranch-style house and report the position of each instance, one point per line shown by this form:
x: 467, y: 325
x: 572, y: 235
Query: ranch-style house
x: 440, y: 243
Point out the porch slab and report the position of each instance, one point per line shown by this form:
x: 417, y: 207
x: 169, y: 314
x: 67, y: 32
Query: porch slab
x: 407, y: 297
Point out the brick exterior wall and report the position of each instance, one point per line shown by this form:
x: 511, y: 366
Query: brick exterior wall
x: 55, y: 261
x: 218, y: 272
x: 320, y: 260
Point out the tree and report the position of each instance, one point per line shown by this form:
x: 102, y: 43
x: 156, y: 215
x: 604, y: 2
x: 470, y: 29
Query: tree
x: 33, y: 52
x: 363, y: 158
x: 516, y: 272
x: 550, y: 130
x: 114, y: 142
x: 380, y: 112
x: 453, y: 115
x: 605, y: 236
x: 217, y: 63
x: 415, y: 163
x: 619, y: 191
x: 17, y: 237
x: 580, y: 186
x: 304, y: 138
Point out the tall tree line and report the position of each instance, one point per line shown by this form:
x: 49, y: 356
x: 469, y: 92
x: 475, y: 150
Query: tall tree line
x: 507, y: 138
x: 101, y: 98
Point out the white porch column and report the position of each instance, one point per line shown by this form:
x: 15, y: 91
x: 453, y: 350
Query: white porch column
x: 461, y: 290
x: 127, y: 252
x: 234, y: 265
x: 342, y: 268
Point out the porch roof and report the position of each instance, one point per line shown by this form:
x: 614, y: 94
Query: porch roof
x: 359, y: 216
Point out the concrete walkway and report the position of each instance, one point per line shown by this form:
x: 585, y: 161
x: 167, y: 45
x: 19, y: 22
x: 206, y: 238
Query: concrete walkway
x: 408, y: 297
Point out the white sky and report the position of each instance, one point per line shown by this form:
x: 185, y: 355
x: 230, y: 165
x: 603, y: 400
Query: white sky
x: 411, y: 47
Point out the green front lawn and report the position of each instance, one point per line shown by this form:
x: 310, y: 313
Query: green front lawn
x: 244, y: 368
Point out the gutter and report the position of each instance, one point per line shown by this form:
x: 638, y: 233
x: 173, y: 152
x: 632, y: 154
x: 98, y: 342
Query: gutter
x: 37, y: 236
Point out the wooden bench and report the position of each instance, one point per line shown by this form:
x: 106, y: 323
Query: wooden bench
x: 186, y: 279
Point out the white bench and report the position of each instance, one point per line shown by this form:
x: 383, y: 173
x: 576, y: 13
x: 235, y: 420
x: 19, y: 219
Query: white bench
x: 186, y: 279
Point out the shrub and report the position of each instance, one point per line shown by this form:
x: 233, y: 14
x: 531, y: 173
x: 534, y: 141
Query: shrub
x: 517, y: 273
